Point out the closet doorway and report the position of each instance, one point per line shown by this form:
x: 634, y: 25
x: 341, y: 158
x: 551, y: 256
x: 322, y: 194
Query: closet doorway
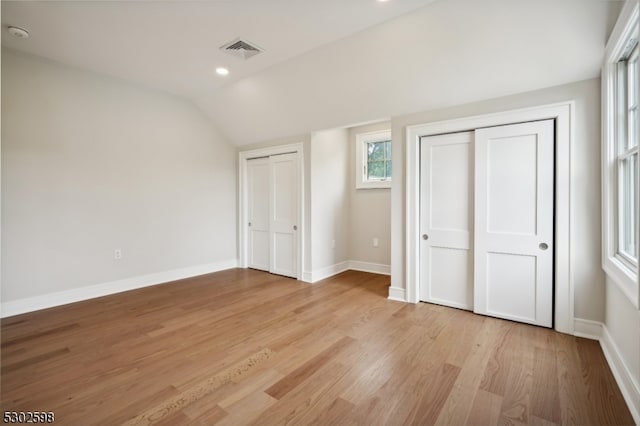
x: 271, y: 210
x: 407, y: 279
x: 486, y: 221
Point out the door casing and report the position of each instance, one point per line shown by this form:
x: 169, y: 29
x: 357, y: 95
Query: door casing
x: 563, y: 114
x: 243, y: 157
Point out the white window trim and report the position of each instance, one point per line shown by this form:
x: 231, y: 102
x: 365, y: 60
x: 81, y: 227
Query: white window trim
x: 618, y: 270
x: 361, y: 154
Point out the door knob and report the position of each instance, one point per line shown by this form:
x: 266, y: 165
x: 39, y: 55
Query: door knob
x: 249, y: 223
x: 295, y: 227
x: 543, y: 246
x: 425, y: 237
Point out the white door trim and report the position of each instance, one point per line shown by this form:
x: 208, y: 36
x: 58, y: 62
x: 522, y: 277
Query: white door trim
x: 243, y: 193
x: 564, y: 114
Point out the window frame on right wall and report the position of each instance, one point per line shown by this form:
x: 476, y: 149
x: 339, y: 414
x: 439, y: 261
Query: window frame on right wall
x: 620, y: 183
x: 362, y: 170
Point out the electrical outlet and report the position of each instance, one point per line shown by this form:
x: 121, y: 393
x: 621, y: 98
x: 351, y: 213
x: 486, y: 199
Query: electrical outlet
x: 376, y: 243
x: 117, y: 254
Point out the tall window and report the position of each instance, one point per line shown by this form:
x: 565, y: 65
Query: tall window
x: 627, y: 158
x: 620, y: 159
x: 373, y: 159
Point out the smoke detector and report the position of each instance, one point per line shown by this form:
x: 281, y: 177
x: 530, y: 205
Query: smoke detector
x: 241, y: 48
x: 18, y: 32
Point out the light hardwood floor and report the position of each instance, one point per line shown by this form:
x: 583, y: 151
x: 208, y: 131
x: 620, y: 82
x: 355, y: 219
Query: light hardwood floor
x: 245, y: 347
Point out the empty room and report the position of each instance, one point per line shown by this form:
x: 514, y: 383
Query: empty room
x: 341, y: 212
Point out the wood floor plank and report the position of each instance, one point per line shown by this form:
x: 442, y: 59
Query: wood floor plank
x: 519, y: 379
x: 574, y: 406
x: 459, y: 404
x: 246, y: 387
x: 486, y: 409
x: 303, y: 403
x: 300, y: 374
x: 51, y: 332
x: 545, y: 399
x: 247, y: 409
x: 335, y: 414
x: 439, y: 385
x: 9, y: 368
x: 243, y: 346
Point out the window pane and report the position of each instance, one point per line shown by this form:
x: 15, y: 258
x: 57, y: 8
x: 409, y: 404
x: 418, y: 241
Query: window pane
x: 632, y: 138
x: 375, y: 170
x: 388, y: 167
x: 375, y: 151
x: 387, y: 148
x: 632, y: 99
x: 632, y: 75
x: 628, y: 215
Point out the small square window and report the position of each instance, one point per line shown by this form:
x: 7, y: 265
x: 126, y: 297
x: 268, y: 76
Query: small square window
x: 373, y: 159
x: 379, y: 160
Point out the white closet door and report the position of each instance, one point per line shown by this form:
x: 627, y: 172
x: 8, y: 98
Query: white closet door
x: 258, y: 214
x: 284, y: 208
x: 513, y: 267
x: 446, y: 219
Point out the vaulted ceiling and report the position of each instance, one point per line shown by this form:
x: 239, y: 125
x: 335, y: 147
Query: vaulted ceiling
x: 325, y: 63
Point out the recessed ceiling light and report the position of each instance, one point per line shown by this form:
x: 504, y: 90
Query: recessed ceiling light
x: 18, y: 32
x: 222, y: 71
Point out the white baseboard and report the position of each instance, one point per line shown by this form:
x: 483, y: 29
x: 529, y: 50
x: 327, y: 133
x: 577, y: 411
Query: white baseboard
x: 30, y: 304
x: 587, y: 328
x: 374, y: 268
x: 335, y: 269
x: 397, y: 293
x: 329, y: 271
x: 628, y: 385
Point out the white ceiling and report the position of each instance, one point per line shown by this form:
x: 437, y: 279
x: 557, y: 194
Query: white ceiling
x: 326, y: 63
x: 174, y: 45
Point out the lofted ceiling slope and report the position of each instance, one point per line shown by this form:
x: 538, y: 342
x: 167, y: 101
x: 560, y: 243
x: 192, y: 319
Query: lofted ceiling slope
x: 326, y: 63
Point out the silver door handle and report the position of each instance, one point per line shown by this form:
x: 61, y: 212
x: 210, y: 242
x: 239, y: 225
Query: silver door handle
x: 543, y: 246
x: 425, y: 237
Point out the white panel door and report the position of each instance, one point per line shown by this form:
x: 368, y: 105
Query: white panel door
x: 513, y: 227
x: 446, y: 219
x: 284, y: 214
x: 258, y: 213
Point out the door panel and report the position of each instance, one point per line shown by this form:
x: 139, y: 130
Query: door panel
x: 513, y: 265
x: 284, y: 197
x: 511, y: 184
x: 503, y: 297
x: 446, y: 206
x: 451, y: 274
x: 258, y: 214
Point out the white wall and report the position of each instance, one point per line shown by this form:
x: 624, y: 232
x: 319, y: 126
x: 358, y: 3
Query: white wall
x: 329, y: 198
x: 587, y: 275
x: 370, y: 214
x: 91, y: 164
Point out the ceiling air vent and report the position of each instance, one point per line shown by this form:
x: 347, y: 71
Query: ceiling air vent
x: 241, y: 48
